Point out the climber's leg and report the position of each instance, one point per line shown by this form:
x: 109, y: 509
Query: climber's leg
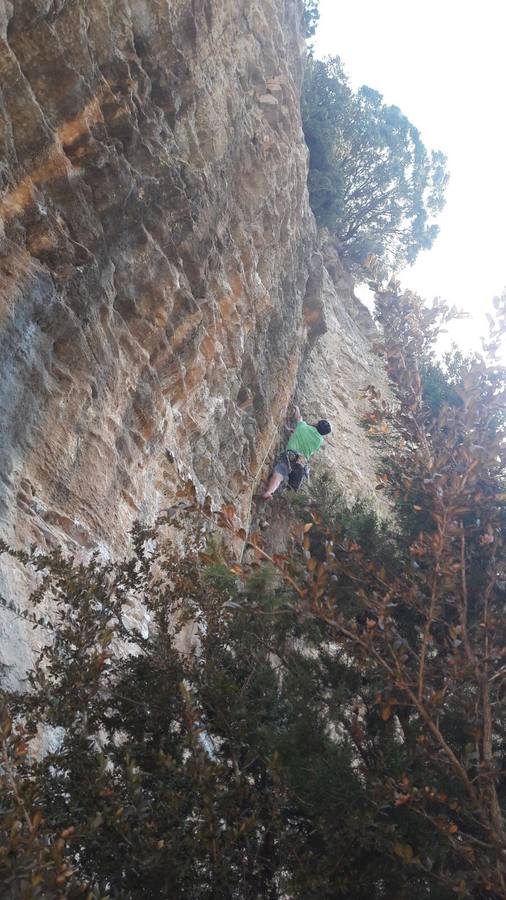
x: 280, y: 472
x: 274, y: 482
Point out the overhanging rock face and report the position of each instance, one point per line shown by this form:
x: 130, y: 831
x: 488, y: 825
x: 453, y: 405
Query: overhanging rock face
x: 160, y: 279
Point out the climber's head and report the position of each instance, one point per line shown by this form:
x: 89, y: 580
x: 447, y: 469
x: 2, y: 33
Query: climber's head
x: 323, y: 427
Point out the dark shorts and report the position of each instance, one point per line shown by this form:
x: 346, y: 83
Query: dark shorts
x: 282, y: 466
x: 292, y: 470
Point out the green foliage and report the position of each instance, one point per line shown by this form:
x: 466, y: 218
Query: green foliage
x: 356, y: 521
x: 324, y: 723
x: 443, y: 380
x: 311, y: 16
x: 235, y: 770
x: 372, y: 182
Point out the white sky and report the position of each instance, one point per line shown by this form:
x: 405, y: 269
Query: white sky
x: 443, y: 63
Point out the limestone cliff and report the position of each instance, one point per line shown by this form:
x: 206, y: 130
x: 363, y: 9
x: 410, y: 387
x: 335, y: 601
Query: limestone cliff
x: 332, y: 378
x: 161, y: 287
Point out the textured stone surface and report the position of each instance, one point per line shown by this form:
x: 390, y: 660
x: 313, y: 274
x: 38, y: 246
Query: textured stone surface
x: 160, y: 281
x: 332, y: 380
x: 154, y: 256
x: 335, y: 368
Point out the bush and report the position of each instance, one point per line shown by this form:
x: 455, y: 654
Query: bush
x: 227, y: 772
x: 335, y: 729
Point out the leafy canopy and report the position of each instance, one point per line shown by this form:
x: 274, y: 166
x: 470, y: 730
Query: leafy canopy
x: 372, y: 181
x: 311, y: 16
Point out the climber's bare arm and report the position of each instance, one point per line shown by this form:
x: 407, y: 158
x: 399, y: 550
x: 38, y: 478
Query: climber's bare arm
x: 295, y: 418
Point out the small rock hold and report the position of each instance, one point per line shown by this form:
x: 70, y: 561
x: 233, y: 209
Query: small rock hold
x: 268, y: 100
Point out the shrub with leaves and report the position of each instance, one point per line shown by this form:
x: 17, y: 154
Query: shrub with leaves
x: 435, y: 629
x: 325, y: 723
x: 226, y: 770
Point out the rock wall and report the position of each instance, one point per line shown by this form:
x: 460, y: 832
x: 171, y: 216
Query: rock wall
x: 333, y: 376
x: 160, y: 277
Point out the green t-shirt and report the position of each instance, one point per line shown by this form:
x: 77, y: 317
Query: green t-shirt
x: 305, y: 440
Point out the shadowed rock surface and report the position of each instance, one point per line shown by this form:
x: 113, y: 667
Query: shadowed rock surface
x: 161, y: 283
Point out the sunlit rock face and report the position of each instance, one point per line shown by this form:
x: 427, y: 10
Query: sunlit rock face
x: 160, y: 282
x: 333, y: 377
x: 155, y: 252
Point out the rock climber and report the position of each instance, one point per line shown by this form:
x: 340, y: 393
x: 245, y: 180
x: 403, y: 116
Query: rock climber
x: 290, y: 465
